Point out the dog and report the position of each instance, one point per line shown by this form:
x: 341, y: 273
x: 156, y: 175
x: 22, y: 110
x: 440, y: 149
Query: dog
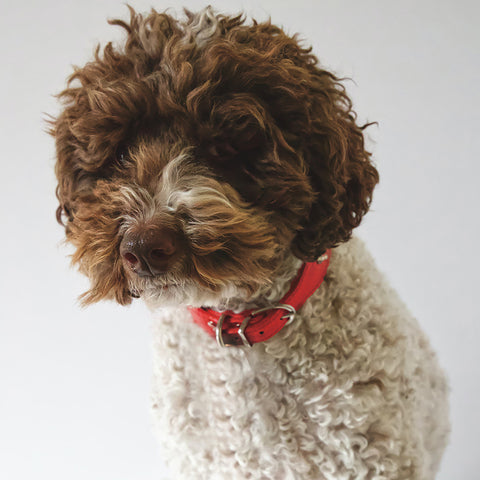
x: 215, y: 169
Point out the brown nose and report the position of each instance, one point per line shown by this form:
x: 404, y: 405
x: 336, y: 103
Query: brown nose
x: 149, y: 251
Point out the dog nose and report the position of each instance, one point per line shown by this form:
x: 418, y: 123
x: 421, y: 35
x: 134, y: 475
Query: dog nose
x: 149, y: 252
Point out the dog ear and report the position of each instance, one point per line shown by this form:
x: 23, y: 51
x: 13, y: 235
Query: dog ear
x: 312, y: 126
x: 83, y: 160
x: 340, y: 169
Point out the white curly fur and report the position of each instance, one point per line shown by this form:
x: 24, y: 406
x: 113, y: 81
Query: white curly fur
x: 350, y: 390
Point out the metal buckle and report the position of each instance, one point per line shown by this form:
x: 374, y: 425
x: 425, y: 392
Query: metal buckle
x: 281, y: 306
x: 218, y: 331
x: 241, y: 329
x: 322, y: 258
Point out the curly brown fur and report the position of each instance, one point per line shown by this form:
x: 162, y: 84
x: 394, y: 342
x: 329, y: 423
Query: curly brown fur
x: 241, y: 114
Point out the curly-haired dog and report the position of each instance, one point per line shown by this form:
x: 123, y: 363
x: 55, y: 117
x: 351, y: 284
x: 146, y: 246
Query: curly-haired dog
x: 216, y: 170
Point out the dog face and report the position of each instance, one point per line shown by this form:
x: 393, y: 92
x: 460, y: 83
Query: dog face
x: 198, y: 156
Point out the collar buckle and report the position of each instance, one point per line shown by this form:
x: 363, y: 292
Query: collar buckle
x: 218, y: 328
x: 290, y: 315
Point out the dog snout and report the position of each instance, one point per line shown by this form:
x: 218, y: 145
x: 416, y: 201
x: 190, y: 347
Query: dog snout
x: 149, y: 251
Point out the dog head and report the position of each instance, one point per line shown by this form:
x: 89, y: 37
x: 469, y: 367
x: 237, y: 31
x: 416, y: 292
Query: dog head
x: 197, y: 156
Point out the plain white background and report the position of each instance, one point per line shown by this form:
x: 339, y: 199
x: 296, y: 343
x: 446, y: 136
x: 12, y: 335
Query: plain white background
x: 75, y: 382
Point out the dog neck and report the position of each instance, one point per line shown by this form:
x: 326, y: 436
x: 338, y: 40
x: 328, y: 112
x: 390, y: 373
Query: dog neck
x: 266, y: 295
x: 256, y: 325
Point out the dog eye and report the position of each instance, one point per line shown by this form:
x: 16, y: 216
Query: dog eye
x: 122, y: 156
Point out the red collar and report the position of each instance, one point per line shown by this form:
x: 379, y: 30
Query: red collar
x: 254, y: 326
